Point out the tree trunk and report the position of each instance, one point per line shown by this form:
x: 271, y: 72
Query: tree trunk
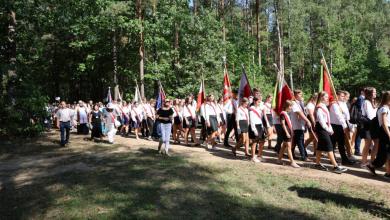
x: 195, y: 6
x: 280, y: 44
x: 114, y: 57
x: 141, y: 48
x: 222, y: 16
x: 258, y: 50
x: 9, y: 79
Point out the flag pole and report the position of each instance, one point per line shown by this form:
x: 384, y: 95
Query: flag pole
x: 323, y: 61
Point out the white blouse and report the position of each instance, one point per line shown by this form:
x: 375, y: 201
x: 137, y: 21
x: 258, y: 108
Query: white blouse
x: 256, y: 114
x: 188, y: 111
x: 323, y: 117
x: 336, y: 116
x: 368, y: 110
x: 242, y: 114
x: 384, y: 110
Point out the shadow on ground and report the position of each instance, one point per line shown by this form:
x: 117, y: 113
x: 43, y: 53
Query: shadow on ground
x: 323, y: 196
x: 139, y: 185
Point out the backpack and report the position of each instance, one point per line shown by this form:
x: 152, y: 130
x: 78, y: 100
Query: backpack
x: 356, y: 114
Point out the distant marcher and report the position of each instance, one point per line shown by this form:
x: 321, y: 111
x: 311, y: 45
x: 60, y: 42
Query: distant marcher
x: 95, y: 119
x: 64, y: 116
x: 165, y: 116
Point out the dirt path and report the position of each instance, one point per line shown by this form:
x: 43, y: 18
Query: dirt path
x: 27, y: 167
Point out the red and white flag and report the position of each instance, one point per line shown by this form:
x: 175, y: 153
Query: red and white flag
x: 201, y: 96
x: 245, y: 89
x: 227, y: 89
x: 281, y: 94
x: 326, y: 83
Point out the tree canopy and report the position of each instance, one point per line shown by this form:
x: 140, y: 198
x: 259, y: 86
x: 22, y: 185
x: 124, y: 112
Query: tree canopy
x: 77, y: 49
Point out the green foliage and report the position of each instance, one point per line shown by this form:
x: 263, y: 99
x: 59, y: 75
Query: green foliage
x: 65, y: 48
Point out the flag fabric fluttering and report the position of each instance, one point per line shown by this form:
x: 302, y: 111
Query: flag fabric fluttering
x: 109, y: 97
x: 137, y: 96
x: 201, y: 96
x: 326, y: 83
x: 244, y: 90
x: 117, y: 94
x: 227, y: 89
x: 281, y: 94
x: 160, y: 97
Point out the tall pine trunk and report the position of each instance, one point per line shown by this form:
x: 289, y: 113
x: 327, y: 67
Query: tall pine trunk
x: 258, y: 50
x: 280, y: 44
x: 141, y: 48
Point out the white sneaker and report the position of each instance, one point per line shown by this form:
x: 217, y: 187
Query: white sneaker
x: 364, y: 165
x: 255, y: 160
x: 214, y: 147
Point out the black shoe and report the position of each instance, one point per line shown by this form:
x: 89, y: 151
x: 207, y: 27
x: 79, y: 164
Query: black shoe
x: 387, y: 176
x: 370, y: 168
x: 339, y: 170
x: 348, y: 162
x: 358, y: 154
x: 321, y: 167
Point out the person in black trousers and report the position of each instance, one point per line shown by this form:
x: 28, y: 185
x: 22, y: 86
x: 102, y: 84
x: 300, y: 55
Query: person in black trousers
x: 230, y: 109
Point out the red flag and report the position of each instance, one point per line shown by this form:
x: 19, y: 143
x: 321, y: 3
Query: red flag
x: 245, y: 89
x: 282, y: 93
x: 227, y: 90
x: 326, y: 83
x: 201, y: 96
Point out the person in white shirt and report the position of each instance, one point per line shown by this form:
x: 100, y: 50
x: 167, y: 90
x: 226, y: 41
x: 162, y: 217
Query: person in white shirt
x: 339, y: 126
x: 323, y: 131
x: 348, y: 135
x: 257, y: 112
x: 299, y: 120
x: 64, y: 116
x: 222, y: 116
x: 82, y: 118
x: 136, y: 118
x: 230, y: 110
x: 125, y: 110
x: 189, y: 120
x: 242, y: 120
x: 149, y: 118
x: 310, y: 107
x: 268, y: 112
x: 177, y: 121
x: 383, y: 155
x: 370, y: 137
x: 212, y: 120
x: 110, y: 122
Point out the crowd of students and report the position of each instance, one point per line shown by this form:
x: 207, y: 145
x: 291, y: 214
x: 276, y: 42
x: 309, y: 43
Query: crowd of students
x: 328, y: 122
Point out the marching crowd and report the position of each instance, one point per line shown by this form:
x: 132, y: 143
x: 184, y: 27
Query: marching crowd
x: 328, y: 122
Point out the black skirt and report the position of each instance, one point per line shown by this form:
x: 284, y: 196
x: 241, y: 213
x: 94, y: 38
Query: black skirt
x: 244, y: 126
x: 191, y: 123
x: 213, y: 124
x: 324, y: 140
x: 176, y: 120
x: 260, y: 131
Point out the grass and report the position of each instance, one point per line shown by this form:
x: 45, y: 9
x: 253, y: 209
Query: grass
x: 142, y: 185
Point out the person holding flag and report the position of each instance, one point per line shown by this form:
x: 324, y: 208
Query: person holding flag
x: 230, y: 108
x: 340, y: 127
